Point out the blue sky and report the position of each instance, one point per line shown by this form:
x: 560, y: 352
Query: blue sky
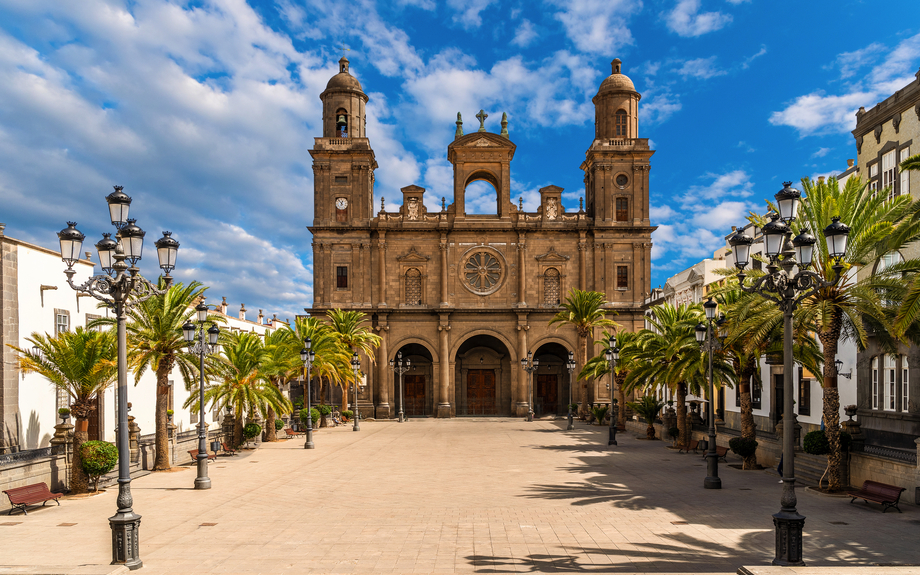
x: 205, y: 111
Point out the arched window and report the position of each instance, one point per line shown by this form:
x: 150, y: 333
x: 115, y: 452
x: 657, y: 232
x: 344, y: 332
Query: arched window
x: 414, y: 287
x: 621, y: 123
x: 551, y: 286
x: 341, y: 123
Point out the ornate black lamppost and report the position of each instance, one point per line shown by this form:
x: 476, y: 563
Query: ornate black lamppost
x: 530, y: 365
x: 120, y: 287
x: 612, y: 355
x: 355, y: 365
x: 570, y: 365
x: 201, y: 348
x: 400, y: 367
x: 307, y: 355
x: 787, y: 290
x: 710, y: 345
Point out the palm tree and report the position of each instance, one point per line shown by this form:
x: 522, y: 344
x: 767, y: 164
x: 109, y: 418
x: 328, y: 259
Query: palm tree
x: 332, y: 363
x: 911, y: 163
x: 155, y: 342
x: 282, y: 362
x: 598, y: 366
x: 753, y: 329
x: 349, y: 328
x: 244, y: 386
x: 648, y: 408
x: 877, y: 226
x: 83, y: 363
x: 584, y: 310
x: 668, y: 356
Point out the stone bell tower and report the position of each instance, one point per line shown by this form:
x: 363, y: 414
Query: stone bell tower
x: 617, y: 163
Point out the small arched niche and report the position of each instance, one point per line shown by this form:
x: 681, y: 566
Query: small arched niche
x: 481, y: 195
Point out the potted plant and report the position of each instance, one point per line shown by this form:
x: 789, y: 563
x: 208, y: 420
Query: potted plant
x: 850, y: 410
x: 251, y: 430
x: 347, y: 414
x: 279, y: 425
x: 169, y: 415
x: 647, y: 408
x: 64, y: 412
x: 599, y: 413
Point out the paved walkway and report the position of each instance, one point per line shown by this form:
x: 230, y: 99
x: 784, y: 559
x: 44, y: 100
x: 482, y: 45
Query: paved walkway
x: 462, y: 495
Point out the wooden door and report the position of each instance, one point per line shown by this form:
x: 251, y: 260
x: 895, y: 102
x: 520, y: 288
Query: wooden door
x: 93, y: 427
x: 414, y: 393
x: 480, y: 392
x: 545, y: 395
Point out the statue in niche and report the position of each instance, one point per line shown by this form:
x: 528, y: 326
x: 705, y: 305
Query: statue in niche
x: 552, y: 210
x: 412, y: 209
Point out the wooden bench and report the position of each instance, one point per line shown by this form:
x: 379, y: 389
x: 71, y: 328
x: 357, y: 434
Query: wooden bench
x: 692, y: 446
x: 887, y: 495
x: 721, y: 453
x: 291, y: 433
x: 194, y: 454
x: 26, y: 495
x: 227, y: 449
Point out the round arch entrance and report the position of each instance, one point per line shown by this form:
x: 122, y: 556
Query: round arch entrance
x: 418, y: 383
x: 551, y: 381
x: 483, y: 377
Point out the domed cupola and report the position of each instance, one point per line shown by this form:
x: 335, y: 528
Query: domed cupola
x: 343, y: 105
x: 616, y: 106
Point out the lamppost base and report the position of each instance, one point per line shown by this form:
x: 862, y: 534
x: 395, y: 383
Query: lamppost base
x: 530, y: 416
x: 788, y: 527
x: 202, y: 481
x: 402, y: 418
x: 571, y: 424
x: 356, y: 427
x: 125, y: 540
x: 612, y: 439
x: 309, y: 443
x: 712, y: 483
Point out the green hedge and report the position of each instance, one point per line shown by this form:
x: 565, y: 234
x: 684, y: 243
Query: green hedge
x: 98, y: 458
x: 251, y: 430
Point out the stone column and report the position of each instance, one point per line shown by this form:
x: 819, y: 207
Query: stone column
x: 319, y: 273
x: 382, y: 269
x: 636, y: 271
x: 444, y: 391
x: 521, y: 405
x: 10, y: 424
x: 62, y: 444
x: 383, y: 371
x: 582, y: 264
x: 522, y: 271
x: 444, y: 270
x: 134, y: 436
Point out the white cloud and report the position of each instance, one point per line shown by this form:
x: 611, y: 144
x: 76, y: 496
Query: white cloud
x: 821, y: 113
x: 660, y: 108
x: 687, y: 21
x: 468, y: 11
x: 525, y: 34
x: 702, y: 68
x: 597, y: 26
x: 747, y: 61
x: 821, y: 153
x: 818, y: 113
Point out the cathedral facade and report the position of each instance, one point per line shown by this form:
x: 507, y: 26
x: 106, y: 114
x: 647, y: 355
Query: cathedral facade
x: 466, y: 296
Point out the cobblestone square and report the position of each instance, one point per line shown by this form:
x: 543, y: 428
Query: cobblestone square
x: 460, y: 495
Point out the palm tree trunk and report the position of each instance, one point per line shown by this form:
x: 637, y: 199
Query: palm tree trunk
x: 829, y: 338
x: 748, y: 428
x: 583, y: 352
x: 682, y: 422
x: 238, y: 430
x: 161, y: 442
x: 79, y: 482
x: 621, y: 412
x: 270, y: 434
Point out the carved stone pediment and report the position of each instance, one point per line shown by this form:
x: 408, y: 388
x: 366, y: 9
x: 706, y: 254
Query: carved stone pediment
x: 551, y: 256
x: 412, y: 256
x: 483, y: 142
x: 694, y: 277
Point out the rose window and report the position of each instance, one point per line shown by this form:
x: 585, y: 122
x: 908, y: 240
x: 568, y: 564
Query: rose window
x: 482, y: 272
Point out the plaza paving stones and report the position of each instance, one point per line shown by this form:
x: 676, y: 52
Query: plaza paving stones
x: 461, y: 495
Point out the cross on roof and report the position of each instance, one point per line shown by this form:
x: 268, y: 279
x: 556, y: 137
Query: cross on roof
x: 482, y: 120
